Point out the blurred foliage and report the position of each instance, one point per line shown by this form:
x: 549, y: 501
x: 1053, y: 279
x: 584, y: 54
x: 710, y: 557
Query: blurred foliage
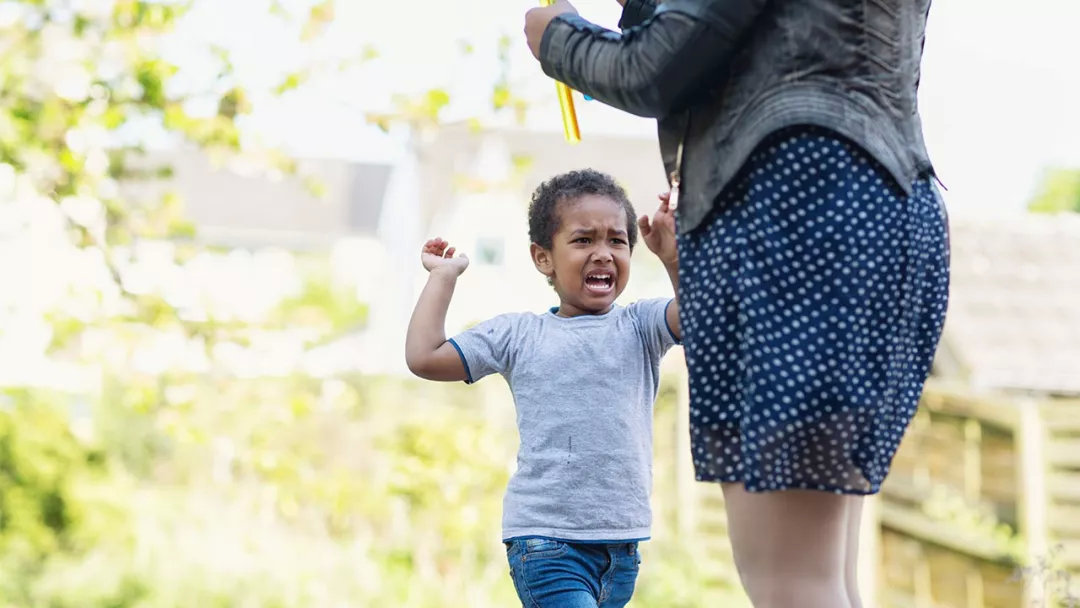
x: 1060, y: 192
x: 59, y: 508
x: 191, y: 472
x: 422, y: 111
x: 74, y: 77
x: 360, y: 502
x: 949, y: 505
x: 349, y: 491
x: 321, y: 303
x: 502, y: 95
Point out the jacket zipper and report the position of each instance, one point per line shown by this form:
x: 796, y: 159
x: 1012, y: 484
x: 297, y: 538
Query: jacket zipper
x: 675, y: 177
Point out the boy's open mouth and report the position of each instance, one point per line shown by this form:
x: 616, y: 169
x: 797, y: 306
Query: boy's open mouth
x: 600, y: 282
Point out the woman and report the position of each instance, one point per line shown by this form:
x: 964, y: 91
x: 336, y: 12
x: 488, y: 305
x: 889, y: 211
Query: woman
x: 813, y: 250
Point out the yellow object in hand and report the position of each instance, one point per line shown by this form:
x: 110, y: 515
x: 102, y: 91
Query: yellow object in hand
x: 566, y: 104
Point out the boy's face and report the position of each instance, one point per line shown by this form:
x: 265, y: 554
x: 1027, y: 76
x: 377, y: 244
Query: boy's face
x: 589, y: 262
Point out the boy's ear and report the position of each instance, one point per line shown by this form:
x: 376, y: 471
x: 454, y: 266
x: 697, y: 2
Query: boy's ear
x: 543, y: 260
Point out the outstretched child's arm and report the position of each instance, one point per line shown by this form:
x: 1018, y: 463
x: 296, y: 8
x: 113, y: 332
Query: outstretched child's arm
x: 427, y: 352
x: 659, y: 235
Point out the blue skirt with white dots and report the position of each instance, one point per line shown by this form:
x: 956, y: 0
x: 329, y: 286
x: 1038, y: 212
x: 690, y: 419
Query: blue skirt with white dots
x: 812, y: 300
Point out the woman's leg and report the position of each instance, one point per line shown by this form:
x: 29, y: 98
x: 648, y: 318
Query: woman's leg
x: 789, y: 546
x: 851, y: 553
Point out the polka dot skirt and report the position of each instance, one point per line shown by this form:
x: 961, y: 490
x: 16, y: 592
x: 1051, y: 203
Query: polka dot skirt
x: 812, y: 300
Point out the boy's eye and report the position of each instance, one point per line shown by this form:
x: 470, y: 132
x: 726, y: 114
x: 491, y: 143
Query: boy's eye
x: 582, y: 239
x: 619, y: 241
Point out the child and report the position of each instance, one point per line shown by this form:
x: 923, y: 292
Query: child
x: 584, y: 377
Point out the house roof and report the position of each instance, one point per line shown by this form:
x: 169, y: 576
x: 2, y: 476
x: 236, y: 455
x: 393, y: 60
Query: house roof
x: 1014, y: 309
x: 454, y: 157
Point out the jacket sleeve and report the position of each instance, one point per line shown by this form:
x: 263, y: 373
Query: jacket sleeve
x: 652, y: 69
x: 635, y: 12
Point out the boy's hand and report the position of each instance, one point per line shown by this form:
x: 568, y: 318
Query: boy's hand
x: 659, y: 235
x: 438, y: 256
x: 537, y: 20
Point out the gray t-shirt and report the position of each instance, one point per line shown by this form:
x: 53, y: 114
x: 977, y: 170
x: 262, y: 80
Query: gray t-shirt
x: 584, y: 389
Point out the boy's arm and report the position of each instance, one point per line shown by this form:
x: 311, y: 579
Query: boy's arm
x: 427, y: 352
x: 673, y: 308
x: 660, y: 237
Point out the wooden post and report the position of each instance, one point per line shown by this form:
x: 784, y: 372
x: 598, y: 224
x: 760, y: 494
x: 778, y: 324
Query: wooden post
x: 1030, y: 443
x: 920, y: 426
x: 972, y: 460
x: 974, y: 588
x: 684, y: 465
x: 924, y: 594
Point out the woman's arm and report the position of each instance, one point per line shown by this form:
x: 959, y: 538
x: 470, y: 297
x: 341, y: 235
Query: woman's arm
x: 635, y: 12
x: 650, y: 70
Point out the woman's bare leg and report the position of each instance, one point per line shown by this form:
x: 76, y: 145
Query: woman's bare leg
x: 789, y: 546
x: 851, y: 553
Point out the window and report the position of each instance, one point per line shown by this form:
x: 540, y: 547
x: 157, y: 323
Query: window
x: 489, y: 251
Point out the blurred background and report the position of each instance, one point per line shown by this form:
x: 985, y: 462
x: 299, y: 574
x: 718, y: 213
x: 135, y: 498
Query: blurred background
x: 210, y: 217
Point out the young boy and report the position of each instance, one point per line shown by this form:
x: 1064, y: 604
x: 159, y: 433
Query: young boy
x: 584, y: 377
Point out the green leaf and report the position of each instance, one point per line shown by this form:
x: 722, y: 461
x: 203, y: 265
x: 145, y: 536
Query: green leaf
x: 1060, y: 192
x: 292, y: 81
x: 500, y: 96
x: 151, y: 76
x: 233, y: 103
x: 114, y: 117
x: 319, y: 18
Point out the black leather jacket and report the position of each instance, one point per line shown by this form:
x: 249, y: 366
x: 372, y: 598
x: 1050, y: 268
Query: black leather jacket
x: 720, y: 75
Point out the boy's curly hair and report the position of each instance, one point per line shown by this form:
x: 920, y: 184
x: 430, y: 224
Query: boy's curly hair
x: 543, y: 208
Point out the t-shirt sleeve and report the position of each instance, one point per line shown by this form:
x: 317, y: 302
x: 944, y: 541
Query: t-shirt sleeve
x: 488, y: 348
x: 651, y: 319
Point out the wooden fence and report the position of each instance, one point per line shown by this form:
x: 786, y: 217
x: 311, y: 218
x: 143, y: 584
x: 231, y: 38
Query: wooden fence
x: 981, y: 509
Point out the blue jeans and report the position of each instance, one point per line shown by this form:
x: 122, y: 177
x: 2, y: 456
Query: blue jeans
x: 555, y: 574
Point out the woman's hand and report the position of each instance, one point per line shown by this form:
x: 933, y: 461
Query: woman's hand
x: 537, y: 20
x: 659, y: 234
